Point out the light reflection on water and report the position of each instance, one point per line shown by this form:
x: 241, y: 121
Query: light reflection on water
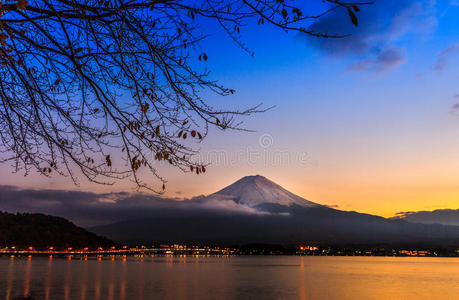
x: 263, y: 277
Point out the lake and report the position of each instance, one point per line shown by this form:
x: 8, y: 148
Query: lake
x: 236, y: 277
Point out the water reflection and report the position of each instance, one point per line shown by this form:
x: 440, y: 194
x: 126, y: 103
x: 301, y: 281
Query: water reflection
x: 147, y: 277
x: 49, y: 277
x: 27, y: 277
x: 10, y: 276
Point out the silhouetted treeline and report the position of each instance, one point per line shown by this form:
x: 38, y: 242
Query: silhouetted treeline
x: 41, y: 231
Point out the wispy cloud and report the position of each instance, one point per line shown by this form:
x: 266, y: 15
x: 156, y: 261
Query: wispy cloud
x: 335, y: 206
x: 91, y: 209
x: 387, y: 59
x: 445, y: 57
x: 403, y: 214
x: 454, y: 108
x: 377, y: 43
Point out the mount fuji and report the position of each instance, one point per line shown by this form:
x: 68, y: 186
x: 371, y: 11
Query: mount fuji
x: 258, y: 191
x: 257, y: 210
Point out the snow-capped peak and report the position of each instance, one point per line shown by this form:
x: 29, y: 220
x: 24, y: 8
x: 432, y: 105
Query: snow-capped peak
x: 255, y: 190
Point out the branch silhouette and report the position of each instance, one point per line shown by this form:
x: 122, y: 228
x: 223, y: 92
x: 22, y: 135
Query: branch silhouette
x: 105, y: 89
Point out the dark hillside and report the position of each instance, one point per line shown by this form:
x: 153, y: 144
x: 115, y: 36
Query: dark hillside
x: 41, y: 231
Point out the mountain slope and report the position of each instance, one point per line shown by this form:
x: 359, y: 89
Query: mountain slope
x: 439, y: 216
x: 274, y: 216
x: 318, y: 224
x: 42, y: 231
x: 257, y: 190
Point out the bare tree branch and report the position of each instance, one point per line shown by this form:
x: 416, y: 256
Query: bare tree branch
x: 85, y: 82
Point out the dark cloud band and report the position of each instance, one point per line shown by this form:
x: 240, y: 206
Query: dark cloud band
x: 374, y: 45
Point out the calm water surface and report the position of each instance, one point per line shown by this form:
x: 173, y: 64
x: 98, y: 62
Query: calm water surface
x: 273, y: 277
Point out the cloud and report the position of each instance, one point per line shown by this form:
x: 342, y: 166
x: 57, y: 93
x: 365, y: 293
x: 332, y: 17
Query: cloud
x: 336, y: 206
x: 445, y: 56
x: 375, y: 45
x: 387, y: 59
x: 92, y: 209
x: 403, y: 214
x: 454, y: 109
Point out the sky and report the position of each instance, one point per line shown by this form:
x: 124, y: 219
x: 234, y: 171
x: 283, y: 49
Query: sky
x: 368, y: 123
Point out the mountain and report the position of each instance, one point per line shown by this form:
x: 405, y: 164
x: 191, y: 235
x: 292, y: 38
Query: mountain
x: 42, y: 231
x: 439, y: 216
x: 258, y: 191
x: 256, y: 210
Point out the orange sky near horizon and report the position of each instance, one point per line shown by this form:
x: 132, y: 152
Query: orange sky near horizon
x: 383, y: 188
